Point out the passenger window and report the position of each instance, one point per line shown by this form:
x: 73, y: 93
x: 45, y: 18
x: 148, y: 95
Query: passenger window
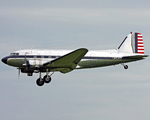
x: 14, y: 54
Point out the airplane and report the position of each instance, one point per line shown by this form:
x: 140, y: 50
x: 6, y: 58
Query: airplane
x: 37, y: 61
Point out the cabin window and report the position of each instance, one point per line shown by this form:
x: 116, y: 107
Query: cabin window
x: 14, y: 54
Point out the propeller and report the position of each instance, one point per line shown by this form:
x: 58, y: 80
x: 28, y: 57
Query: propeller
x: 19, y: 72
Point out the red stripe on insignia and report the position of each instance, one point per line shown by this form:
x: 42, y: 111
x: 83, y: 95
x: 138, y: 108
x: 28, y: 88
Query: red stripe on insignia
x: 140, y: 49
x: 140, y: 43
x: 141, y: 52
x: 140, y: 46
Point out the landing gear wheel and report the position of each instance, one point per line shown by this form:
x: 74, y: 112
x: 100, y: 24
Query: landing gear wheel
x: 125, y: 67
x: 47, y: 79
x: 40, y: 82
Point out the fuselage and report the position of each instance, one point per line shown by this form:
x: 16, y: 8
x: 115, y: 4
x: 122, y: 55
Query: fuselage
x: 36, y: 59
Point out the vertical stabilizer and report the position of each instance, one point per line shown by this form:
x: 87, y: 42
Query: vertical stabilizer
x: 133, y: 43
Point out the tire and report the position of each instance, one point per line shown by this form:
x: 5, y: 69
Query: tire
x: 47, y: 80
x: 39, y: 82
x: 125, y: 67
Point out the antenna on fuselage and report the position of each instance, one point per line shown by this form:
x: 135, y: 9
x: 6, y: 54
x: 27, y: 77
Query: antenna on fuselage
x: 32, y: 47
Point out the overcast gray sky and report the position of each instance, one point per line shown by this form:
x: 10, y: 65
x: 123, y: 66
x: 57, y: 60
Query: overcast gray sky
x: 109, y: 93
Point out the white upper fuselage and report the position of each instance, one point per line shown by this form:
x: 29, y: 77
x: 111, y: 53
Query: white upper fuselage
x: 92, y: 53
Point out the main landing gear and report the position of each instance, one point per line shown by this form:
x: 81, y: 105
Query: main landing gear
x: 46, y: 79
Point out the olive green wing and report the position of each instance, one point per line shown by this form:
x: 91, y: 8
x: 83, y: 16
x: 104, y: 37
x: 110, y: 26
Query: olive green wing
x: 68, y: 62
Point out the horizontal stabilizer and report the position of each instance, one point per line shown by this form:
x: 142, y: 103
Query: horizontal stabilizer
x: 137, y: 57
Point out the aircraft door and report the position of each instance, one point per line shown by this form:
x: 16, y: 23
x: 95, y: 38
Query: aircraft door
x: 37, y: 61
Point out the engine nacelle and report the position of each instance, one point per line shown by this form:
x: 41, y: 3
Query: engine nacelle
x: 26, y: 71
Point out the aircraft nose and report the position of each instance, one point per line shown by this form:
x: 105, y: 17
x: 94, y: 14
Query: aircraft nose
x: 4, y: 60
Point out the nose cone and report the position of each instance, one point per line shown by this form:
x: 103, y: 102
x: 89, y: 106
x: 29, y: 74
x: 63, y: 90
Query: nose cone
x: 4, y: 60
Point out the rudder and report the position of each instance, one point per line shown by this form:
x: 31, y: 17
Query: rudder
x: 133, y: 43
x: 137, y: 43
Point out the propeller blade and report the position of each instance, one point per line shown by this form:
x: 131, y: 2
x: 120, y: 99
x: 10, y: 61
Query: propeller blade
x: 19, y: 73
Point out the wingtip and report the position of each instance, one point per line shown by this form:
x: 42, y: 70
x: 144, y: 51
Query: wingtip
x: 83, y: 49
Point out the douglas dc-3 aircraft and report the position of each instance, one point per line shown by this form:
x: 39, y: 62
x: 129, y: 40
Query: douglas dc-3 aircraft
x: 36, y: 61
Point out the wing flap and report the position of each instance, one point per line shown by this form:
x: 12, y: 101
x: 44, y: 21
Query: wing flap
x: 67, y: 62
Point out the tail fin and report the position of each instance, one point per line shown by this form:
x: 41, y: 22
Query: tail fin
x: 133, y: 43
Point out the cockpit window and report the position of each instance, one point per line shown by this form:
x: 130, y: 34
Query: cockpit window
x: 14, y: 54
